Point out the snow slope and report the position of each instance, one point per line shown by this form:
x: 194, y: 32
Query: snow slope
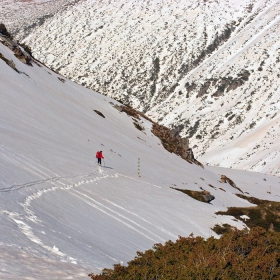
x: 210, y: 69
x: 61, y: 215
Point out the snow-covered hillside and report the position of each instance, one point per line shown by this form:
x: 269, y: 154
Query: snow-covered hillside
x: 208, y: 68
x: 61, y: 215
x: 24, y: 15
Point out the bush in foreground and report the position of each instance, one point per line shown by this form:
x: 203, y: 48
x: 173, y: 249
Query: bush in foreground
x: 246, y: 254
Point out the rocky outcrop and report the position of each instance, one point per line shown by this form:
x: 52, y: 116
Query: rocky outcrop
x: 202, y: 196
x: 207, y: 196
x: 21, y: 55
x: 8, y: 62
x: 221, y: 86
x: 19, y: 52
x: 4, y: 31
x: 170, y: 139
x: 99, y: 113
x: 225, y: 179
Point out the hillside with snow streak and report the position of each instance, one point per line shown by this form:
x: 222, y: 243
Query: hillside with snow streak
x: 61, y: 215
x: 206, y: 68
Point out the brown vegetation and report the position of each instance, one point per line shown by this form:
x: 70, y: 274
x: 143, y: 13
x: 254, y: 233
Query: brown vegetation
x: 245, y: 254
x: 266, y: 214
x: 222, y: 229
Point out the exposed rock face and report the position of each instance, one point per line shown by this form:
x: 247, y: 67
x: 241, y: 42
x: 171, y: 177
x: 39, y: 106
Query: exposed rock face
x: 19, y: 53
x: 203, y: 196
x: 4, y: 31
x: 170, y: 139
x: 207, y: 69
x: 12, y: 65
x: 225, y: 179
x: 208, y: 197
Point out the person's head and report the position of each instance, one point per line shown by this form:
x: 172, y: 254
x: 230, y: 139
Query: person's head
x: 100, y: 151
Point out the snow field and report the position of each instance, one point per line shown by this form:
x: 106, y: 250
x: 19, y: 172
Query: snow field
x: 61, y: 215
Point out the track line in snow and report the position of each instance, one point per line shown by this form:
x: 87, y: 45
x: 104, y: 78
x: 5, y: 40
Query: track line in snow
x: 63, y: 183
x: 132, y: 213
x: 48, y: 180
x: 49, y: 177
x: 30, y: 215
x: 35, y: 168
x: 116, y: 215
x: 22, y: 162
x: 118, y: 174
x: 30, y: 184
x: 107, y: 210
x: 28, y: 232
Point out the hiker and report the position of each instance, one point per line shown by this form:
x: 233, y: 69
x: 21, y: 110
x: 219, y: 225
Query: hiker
x: 99, y: 156
x: 190, y: 154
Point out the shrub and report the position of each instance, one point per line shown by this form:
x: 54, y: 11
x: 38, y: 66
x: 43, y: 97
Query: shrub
x: 266, y: 214
x: 244, y: 254
x: 221, y: 229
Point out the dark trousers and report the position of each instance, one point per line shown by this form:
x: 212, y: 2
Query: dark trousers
x: 99, y: 161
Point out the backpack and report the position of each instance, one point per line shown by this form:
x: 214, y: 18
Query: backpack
x: 97, y: 154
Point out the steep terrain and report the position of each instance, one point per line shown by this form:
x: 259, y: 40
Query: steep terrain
x: 61, y: 215
x: 209, y: 69
x: 22, y: 16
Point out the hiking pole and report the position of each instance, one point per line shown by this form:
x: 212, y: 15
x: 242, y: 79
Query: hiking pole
x: 103, y: 162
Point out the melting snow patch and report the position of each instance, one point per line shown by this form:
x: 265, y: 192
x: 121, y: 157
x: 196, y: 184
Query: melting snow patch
x: 245, y: 217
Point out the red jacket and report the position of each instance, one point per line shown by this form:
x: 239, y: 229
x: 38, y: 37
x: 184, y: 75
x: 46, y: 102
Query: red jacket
x: 99, y: 155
